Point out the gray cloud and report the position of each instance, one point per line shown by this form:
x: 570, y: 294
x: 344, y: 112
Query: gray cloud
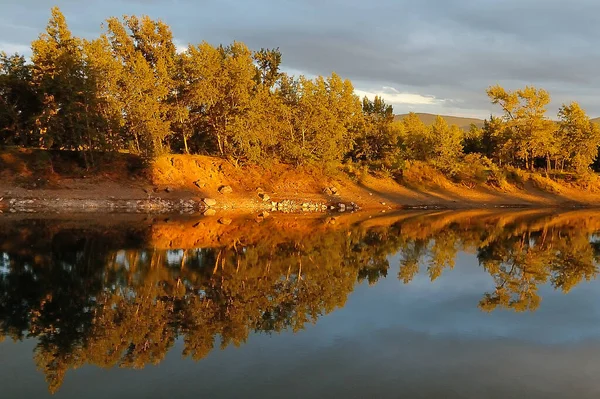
x: 448, y: 49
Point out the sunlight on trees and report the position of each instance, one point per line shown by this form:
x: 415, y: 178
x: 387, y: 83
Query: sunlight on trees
x: 130, y: 90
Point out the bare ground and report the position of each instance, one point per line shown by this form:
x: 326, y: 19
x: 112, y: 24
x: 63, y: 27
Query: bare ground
x: 172, y: 180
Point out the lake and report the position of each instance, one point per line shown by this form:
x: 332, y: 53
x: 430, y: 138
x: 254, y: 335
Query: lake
x: 470, y: 304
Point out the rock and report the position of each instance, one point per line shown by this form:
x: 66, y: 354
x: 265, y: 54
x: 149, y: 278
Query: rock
x: 198, y: 184
x: 274, y: 204
x: 261, y: 216
x: 225, y: 190
x: 210, y: 212
x: 342, y: 206
x: 209, y: 202
x: 169, y: 189
x: 334, y: 190
x: 327, y: 191
x: 225, y: 221
x: 264, y: 196
x: 383, y: 203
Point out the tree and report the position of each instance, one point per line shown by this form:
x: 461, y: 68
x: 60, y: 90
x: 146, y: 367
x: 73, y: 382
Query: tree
x: 326, y: 114
x: 447, y: 146
x: 104, y: 104
x: 221, y: 85
x: 257, y: 134
x: 579, y: 137
x: 531, y: 132
x: 59, y: 73
x: 19, y: 102
x: 418, y: 142
x: 268, y: 62
x: 377, y: 139
x: 146, y: 51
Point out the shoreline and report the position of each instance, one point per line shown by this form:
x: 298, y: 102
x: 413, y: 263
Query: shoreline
x: 192, y: 184
x: 40, y: 201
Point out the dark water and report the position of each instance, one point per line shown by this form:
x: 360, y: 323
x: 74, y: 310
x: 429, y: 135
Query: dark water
x: 471, y: 305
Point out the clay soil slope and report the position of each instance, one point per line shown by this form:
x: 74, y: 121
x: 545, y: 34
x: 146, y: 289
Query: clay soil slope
x: 56, y: 178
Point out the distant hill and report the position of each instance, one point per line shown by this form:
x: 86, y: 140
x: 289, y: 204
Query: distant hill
x: 463, y: 123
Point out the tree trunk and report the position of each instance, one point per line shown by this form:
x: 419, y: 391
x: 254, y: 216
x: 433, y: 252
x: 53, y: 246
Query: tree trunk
x: 187, y: 151
x: 137, y: 142
x: 220, y: 143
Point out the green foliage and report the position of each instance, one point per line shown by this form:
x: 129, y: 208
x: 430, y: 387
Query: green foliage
x: 19, y: 102
x: 422, y: 173
x: 447, y: 146
x: 378, y: 137
x: 475, y: 169
x: 131, y: 90
x: 579, y: 137
x: 545, y: 184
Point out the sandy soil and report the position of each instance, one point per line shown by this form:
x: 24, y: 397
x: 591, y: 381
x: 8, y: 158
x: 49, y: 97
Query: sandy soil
x: 176, y: 177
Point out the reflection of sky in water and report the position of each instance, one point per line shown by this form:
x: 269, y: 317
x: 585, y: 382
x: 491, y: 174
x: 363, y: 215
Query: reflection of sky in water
x: 448, y: 307
x: 4, y: 263
x: 422, y: 339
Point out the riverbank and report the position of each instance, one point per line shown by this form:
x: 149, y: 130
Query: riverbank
x: 36, y: 181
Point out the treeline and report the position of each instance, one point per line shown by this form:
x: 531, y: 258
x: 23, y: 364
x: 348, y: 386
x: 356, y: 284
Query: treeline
x: 132, y: 90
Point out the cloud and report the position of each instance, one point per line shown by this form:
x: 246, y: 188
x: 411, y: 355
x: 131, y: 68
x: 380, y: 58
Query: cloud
x: 180, y: 47
x: 11, y: 48
x: 395, y: 97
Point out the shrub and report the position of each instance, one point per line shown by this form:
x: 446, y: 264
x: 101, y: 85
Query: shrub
x: 545, y: 183
x: 516, y: 176
x: 418, y: 173
x: 473, y: 170
x: 588, y: 181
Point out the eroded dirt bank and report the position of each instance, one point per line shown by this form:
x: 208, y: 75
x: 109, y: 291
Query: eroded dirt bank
x: 193, y: 184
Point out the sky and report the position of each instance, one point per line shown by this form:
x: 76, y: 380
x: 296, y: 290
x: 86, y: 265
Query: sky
x: 435, y: 56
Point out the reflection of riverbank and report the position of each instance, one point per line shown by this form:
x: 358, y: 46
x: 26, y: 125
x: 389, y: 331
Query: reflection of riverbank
x: 121, y: 290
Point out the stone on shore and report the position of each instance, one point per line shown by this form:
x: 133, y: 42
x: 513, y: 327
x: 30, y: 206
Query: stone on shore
x: 225, y: 190
x: 209, y: 202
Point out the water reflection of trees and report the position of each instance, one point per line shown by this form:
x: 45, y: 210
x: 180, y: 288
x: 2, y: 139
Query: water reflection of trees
x: 113, y: 297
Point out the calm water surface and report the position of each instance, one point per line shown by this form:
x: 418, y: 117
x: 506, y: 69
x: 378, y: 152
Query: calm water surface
x: 447, y: 305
